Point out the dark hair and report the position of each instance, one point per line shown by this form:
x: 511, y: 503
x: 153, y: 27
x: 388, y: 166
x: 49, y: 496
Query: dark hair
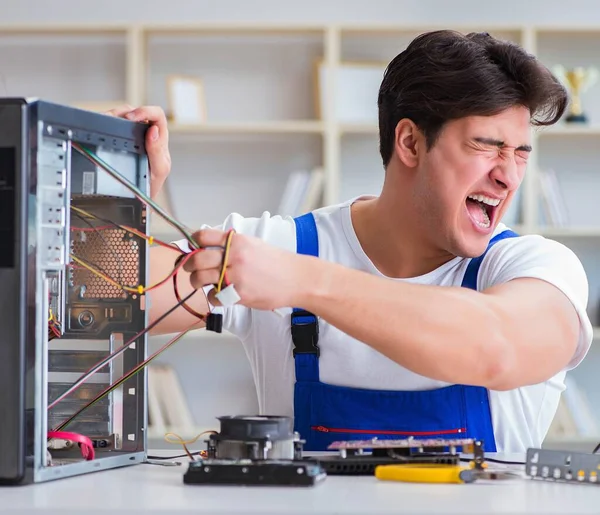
x: 445, y: 75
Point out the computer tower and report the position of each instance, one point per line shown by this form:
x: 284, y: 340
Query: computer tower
x: 61, y: 216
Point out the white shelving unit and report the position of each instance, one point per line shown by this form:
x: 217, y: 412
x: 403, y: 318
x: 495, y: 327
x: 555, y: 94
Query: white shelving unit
x: 263, y: 122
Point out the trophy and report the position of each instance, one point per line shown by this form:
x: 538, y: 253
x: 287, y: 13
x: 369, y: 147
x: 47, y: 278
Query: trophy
x: 577, y: 80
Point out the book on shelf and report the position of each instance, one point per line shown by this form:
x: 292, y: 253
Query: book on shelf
x: 514, y: 214
x: 302, y: 193
x: 554, y: 208
x: 574, y: 417
x: 167, y: 405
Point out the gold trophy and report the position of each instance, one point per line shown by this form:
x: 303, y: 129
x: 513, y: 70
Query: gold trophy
x: 577, y: 80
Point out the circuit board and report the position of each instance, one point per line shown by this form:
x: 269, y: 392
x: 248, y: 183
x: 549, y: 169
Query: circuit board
x: 406, y: 443
x: 362, y: 457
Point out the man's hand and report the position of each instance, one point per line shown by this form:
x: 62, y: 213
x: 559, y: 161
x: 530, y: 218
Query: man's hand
x: 264, y: 276
x: 157, y: 141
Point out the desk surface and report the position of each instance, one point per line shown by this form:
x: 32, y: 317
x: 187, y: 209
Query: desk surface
x: 156, y: 488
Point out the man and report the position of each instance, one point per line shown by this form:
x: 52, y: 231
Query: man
x: 432, y: 318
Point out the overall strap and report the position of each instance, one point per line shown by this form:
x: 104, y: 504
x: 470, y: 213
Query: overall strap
x: 305, y: 325
x: 470, y: 278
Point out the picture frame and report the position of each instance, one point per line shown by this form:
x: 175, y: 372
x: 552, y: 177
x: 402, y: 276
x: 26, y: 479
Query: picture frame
x: 355, y: 95
x: 186, y: 100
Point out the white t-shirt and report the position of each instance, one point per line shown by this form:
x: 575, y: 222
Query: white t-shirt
x: 520, y: 417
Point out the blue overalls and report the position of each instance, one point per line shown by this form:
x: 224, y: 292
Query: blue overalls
x: 324, y: 413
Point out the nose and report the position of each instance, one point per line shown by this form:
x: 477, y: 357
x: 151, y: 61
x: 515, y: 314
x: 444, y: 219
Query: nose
x: 506, y: 175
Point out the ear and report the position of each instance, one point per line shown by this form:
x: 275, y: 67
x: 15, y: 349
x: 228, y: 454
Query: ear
x: 408, y: 142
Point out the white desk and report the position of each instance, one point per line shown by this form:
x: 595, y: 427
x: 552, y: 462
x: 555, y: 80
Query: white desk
x: 154, y: 488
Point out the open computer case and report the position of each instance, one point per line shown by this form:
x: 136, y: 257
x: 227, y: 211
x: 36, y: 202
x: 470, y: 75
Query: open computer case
x: 64, y: 222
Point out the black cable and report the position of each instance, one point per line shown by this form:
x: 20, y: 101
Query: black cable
x: 496, y: 460
x: 102, y: 363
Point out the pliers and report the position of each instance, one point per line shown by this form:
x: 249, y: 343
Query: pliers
x: 438, y: 473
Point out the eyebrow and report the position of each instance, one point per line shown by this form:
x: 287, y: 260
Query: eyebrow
x: 501, y: 144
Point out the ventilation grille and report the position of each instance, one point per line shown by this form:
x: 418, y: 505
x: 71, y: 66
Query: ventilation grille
x: 112, y: 251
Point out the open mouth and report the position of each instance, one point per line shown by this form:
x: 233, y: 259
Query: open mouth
x: 482, y: 209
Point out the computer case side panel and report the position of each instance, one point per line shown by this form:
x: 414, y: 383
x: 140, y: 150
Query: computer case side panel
x: 15, y: 432
x: 42, y: 179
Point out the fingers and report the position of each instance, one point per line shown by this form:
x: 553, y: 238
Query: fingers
x: 157, y: 140
x: 203, y: 278
x: 204, y: 260
x: 152, y: 114
x: 157, y: 143
x: 210, y: 238
x: 120, y: 111
x: 205, y: 265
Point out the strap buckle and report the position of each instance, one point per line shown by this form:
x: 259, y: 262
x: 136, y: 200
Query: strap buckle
x: 305, y: 333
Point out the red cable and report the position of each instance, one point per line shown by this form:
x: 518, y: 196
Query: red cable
x: 192, y: 311
x: 87, y: 447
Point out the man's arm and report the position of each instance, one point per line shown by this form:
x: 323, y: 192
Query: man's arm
x: 162, y: 262
x: 513, y: 334
x: 519, y: 331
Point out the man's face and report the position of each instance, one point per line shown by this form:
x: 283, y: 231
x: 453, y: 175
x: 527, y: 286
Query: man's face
x: 466, y: 182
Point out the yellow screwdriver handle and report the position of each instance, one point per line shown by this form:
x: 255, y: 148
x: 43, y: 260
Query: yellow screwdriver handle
x: 421, y: 473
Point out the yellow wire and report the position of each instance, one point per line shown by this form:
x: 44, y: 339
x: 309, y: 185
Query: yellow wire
x: 106, y: 277
x: 225, y: 260
x: 141, y: 289
x: 150, y: 239
x: 136, y: 191
x: 185, y: 443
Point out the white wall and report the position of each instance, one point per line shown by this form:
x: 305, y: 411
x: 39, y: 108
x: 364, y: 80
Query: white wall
x: 455, y: 12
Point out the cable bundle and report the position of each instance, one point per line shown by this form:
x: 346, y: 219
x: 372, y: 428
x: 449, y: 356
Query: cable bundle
x: 81, y: 262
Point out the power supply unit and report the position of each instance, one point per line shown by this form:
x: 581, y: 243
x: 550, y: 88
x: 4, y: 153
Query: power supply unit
x: 65, y: 225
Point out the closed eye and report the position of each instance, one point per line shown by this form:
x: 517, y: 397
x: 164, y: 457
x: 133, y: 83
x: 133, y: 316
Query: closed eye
x: 524, y: 155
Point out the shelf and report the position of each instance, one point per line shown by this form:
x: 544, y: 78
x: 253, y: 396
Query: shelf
x: 359, y: 128
x: 568, y: 49
x: 555, y: 30
x: 245, y: 74
x: 60, y: 29
x: 291, y: 127
x: 377, y: 29
x: 65, y: 67
x: 557, y: 130
x: 383, y: 43
x: 233, y: 29
x: 569, y: 232
x: 262, y: 124
x: 569, y: 130
x: 215, y: 174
